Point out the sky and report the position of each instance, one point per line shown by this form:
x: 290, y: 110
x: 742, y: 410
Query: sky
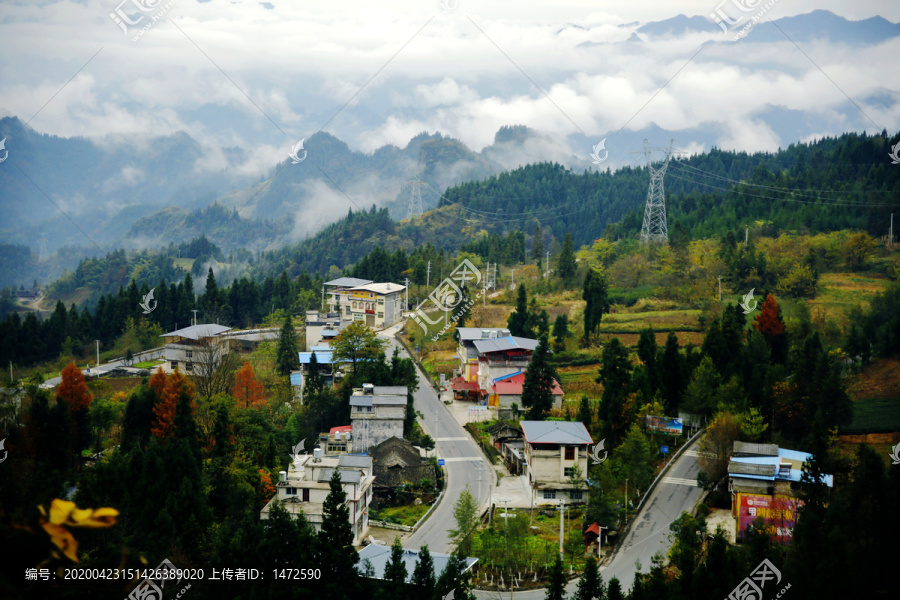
x: 262, y: 75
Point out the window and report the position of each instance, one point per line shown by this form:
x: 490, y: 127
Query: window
x: 569, y: 471
x: 575, y: 495
x: 174, y: 364
x: 371, y: 295
x: 189, y: 354
x: 368, y: 409
x: 306, y: 494
x: 190, y: 366
x: 291, y: 491
x: 570, y: 452
x: 381, y: 301
x: 549, y: 494
x: 348, y: 309
x: 381, y: 315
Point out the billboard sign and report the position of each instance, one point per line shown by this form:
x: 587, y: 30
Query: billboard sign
x: 778, y: 512
x: 666, y: 425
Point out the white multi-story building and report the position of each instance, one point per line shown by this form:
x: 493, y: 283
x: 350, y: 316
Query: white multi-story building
x: 197, y: 347
x: 305, y: 486
x: 552, y: 451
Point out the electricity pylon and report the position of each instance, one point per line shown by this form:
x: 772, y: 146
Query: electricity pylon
x: 415, y: 196
x: 655, y: 228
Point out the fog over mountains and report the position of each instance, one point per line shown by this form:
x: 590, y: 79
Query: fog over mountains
x: 450, y: 108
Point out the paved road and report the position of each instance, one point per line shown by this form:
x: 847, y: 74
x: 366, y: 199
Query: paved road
x: 675, y: 493
x: 462, y: 457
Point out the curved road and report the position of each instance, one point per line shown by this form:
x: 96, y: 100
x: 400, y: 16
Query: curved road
x: 462, y: 461
x: 675, y: 493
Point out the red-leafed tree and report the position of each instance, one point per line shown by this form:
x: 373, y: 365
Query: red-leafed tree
x: 266, y: 488
x: 176, y: 385
x: 158, y: 382
x: 769, y: 323
x: 73, y: 392
x: 248, y: 392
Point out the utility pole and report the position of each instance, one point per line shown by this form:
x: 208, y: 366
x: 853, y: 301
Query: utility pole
x: 746, y: 235
x: 195, y: 315
x: 562, y: 509
x: 428, y: 276
x: 512, y: 277
x: 10, y: 371
x: 98, y: 352
x: 626, y: 500
x: 547, y: 265
x: 506, y: 529
x: 600, y: 541
x: 407, y: 295
x: 720, y: 287
x: 323, y: 297
x: 891, y: 236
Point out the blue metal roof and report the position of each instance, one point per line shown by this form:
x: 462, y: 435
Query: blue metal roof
x: 323, y: 358
x: 296, y: 378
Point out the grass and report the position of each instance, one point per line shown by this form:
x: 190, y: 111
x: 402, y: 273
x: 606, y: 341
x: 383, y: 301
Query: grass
x: 148, y: 364
x: 659, y: 320
x: 874, y: 415
x: 840, y: 292
x: 401, y: 515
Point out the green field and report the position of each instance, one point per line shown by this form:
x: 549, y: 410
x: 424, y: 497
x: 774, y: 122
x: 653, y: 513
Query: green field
x: 148, y: 364
x: 874, y: 415
x: 401, y: 515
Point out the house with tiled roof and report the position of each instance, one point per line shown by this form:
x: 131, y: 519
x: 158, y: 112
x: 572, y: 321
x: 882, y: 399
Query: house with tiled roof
x: 507, y: 390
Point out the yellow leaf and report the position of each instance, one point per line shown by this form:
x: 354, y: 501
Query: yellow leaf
x: 63, y: 539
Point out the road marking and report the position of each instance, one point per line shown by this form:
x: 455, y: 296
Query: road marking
x: 462, y: 458
x: 451, y: 439
x: 692, y: 453
x: 680, y: 481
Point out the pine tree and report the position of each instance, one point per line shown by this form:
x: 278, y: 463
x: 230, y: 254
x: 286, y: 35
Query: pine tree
x: 615, y: 375
x: 585, y: 412
x: 560, y: 332
x: 395, y: 572
x: 465, y: 308
x: 518, y: 319
x: 673, y: 375
x: 596, y: 302
x: 647, y: 353
x: 556, y: 587
x: 590, y: 585
x: 537, y: 390
x: 537, y: 246
x: 286, y: 355
x: 465, y: 513
x: 338, y: 557
x: 423, y: 575
x: 614, y: 592
x: 565, y: 266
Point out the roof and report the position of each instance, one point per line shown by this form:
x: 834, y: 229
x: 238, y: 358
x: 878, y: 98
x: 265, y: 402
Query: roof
x: 296, y: 378
x: 329, y: 333
x: 323, y: 348
x: 380, y: 288
x: 323, y: 358
x: 382, y: 400
x: 347, y: 476
x: 739, y: 468
x: 341, y: 429
x: 196, y: 332
x: 352, y: 461
x: 459, y: 384
x: 749, y: 449
x: 474, y: 333
x: 505, y: 343
x: 511, y: 385
x: 556, y: 432
x: 378, y: 556
x: 390, y: 390
x: 348, y: 282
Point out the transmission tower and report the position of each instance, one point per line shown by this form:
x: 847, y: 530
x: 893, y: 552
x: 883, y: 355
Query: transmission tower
x: 655, y: 229
x: 415, y: 196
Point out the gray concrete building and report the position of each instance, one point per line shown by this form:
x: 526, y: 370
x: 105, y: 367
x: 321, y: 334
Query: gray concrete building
x: 376, y: 414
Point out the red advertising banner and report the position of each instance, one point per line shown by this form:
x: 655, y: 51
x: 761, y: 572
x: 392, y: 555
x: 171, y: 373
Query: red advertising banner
x: 779, y: 513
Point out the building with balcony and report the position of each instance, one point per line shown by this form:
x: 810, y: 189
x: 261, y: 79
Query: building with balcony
x: 195, y: 347
x: 376, y: 413
x: 466, y: 351
x: 306, y: 484
x: 377, y: 305
x: 321, y: 327
x: 552, y: 451
x: 334, y: 289
x: 501, y: 356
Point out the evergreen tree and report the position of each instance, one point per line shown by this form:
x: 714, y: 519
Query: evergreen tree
x: 465, y: 308
x: 647, y: 353
x: 614, y: 591
x: 590, y: 585
x: 615, y: 375
x: 537, y: 246
x: 556, y: 586
x: 518, y: 319
x: 596, y: 302
x: 465, y: 513
x: 560, y: 332
x: 537, y: 390
x: 673, y: 375
x: 315, y: 382
x: 395, y: 572
x: 337, y: 555
x: 565, y: 266
x: 423, y: 575
x: 585, y: 412
x: 286, y: 355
